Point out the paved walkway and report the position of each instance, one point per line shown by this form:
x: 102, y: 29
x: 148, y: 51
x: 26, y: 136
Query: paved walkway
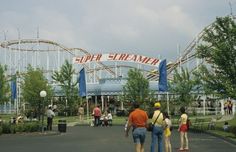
x: 101, y: 139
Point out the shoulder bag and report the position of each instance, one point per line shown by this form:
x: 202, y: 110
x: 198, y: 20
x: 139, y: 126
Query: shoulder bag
x: 151, y: 125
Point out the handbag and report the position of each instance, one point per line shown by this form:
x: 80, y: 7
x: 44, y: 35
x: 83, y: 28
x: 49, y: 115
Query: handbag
x: 151, y: 125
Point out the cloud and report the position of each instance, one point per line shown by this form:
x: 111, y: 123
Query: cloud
x: 54, y: 25
x: 175, y: 18
x: 150, y: 28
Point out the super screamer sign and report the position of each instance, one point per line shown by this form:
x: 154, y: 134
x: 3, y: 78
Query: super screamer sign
x: 123, y: 57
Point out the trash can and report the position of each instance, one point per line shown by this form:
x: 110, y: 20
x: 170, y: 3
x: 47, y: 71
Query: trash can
x: 62, y: 125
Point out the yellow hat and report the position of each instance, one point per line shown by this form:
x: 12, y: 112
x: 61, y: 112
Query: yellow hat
x: 157, y: 105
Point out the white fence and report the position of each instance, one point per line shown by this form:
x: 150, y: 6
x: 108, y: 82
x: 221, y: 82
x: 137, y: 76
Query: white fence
x: 7, y: 108
x: 205, y: 110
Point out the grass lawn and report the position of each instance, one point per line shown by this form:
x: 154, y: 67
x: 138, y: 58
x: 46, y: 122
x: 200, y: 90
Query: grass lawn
x: 231, y: 123
x: 223, y: 134
x: 6, y: 117
x: 219, y: 129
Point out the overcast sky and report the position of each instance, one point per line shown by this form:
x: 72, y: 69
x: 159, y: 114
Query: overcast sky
x: 147, y: 27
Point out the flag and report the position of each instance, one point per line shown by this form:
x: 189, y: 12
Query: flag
x: 162, y: 76
x: 13, y: 89
x: 82, y: 83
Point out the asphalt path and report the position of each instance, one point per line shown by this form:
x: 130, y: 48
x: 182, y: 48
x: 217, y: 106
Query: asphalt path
x: 101, y: 139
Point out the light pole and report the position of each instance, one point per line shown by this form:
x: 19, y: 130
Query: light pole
x: 43, y: 94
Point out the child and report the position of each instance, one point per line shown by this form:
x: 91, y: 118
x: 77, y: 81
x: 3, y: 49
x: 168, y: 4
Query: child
x: 226, y: 126
x: 105, y: 120
x: 167, y: 132
x: 126, y: 124
x: 109, y: 117
x: 92, y: 122
x: 184, y: 123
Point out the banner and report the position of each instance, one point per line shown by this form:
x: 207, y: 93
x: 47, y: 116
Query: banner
x: 82, y: 83
x: 13, y: 89
x: 123, y: 57
x: 163, y: 76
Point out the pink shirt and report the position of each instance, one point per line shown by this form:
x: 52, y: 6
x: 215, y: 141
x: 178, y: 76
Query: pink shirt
x: 96, y: 111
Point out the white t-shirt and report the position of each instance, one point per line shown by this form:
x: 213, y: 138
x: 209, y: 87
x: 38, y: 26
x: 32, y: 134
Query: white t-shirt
x: 50, y: 113
x: 168, y: 122
x: 109, y: 116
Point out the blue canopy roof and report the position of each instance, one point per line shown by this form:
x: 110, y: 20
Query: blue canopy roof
x: 109, y: 86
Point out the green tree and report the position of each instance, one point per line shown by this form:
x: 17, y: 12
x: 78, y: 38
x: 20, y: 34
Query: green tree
x: 4, y: 85
x: 182, y: 85
x: 65, y: 79
x: 201, y: 76
x: 137, y: 86
x: 34, y: 82
x: 219, y: 51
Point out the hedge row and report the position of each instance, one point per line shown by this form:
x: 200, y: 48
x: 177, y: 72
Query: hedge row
x: 7, y: 128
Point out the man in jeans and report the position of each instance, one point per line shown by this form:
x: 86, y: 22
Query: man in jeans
x: 138, y: 120
x: 50, y: 115
x: 157, y: 132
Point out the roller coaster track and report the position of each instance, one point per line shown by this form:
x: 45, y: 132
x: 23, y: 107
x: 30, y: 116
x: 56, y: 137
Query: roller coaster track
x: 189, y: 52
x: 8, y: 44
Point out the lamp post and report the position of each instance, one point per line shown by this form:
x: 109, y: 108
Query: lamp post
x: 43, y: 94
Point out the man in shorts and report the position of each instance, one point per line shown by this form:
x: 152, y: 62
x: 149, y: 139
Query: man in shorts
x: 138, y: 120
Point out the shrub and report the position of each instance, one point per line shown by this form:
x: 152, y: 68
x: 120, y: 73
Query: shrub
x: 0, y: 130
x: 6, y: 128
x: 13, y: 129
x: 20, y: 127
x: 28, y: 127
x: 31, y: 127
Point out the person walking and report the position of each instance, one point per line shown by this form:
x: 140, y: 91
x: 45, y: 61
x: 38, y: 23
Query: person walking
x: 50, y: 115
x: 138, y: 120
x: 226, y: 108
x: 157, y: 133
x: 183, y: 129
x: 167, y: 132
x: 230, y: 107
x: 81, y: 113
x: 97, y: 114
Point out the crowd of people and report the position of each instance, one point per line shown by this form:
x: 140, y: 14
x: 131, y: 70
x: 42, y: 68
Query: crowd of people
x: 101, y: 118
x: 228, y: 107
x: 162, y: 127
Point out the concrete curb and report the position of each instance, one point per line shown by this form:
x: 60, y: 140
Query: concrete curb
x: 51, y: 133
